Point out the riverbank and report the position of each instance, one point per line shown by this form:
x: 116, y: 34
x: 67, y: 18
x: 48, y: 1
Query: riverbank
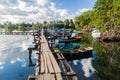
x: 111, y: 35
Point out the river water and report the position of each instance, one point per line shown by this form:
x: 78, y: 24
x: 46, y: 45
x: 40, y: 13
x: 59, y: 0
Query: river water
x: 14, y: 57
x: 14, y: 63
x: 108, y: 55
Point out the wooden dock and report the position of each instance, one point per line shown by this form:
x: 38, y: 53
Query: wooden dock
x: 47, y: 67
x: 16, y: 33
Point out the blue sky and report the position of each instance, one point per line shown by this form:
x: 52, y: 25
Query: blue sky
x: 74, y: 5
x: 29, y: 11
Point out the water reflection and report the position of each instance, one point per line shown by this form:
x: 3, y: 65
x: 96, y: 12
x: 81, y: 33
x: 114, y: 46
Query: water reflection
x: 14, y: 57
x: 83, y: 69
x: 108, y: 55
x: 108, y: 64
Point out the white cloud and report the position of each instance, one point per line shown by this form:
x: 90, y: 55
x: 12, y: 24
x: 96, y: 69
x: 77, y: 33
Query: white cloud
x: 1, y: 7
x: 21, y: 5
x: 43, y: 2
x: 80, y: 11
x: 31, y: 11
x: 62, y: 12
x: 52, y: 6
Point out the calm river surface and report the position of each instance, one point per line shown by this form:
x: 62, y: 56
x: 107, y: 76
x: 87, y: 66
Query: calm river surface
x: 14, y: 57
x: 108, y: 55
x: 14, y: 63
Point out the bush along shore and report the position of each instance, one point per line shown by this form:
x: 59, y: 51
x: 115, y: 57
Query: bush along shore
x: 111, y: 35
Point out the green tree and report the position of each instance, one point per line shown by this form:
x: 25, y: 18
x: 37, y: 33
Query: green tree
x: 66, y: 23
x: 28, y: 28
x: 105, y: 14
x: 20, y: 28
x: 6, y: 28
x: 45, y: 24
x: 71, y: 25
x: 60, y: 24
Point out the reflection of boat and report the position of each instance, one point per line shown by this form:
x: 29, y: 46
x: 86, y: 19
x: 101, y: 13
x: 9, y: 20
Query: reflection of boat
x: 96, y: 34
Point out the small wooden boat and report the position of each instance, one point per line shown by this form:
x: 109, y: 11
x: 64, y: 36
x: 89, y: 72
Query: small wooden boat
x: 74, y: 54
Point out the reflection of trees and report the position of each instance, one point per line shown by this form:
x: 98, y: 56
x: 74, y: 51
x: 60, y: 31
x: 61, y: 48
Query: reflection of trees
x: 108, y: 63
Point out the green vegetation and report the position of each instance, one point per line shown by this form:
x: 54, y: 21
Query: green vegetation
x: 8, y: 26
x: 107, y: 65
x: 105, y: 15
x: 68, y: 24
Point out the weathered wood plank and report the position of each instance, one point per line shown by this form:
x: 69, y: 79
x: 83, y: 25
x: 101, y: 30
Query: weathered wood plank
x: 45, y: 63
x: 54, y: 63
x: 49, y: 69
x: 47, y: 77
x: 53, y: 77
x: 40, y: 77
x: 49, y: 64
x: 69, y: 73
x: 42, y: 70
x: 58, y: 76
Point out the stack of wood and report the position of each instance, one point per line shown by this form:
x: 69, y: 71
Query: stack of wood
x: 111, y: 35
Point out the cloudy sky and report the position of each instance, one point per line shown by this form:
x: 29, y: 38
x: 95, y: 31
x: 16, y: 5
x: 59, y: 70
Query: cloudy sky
x: 28, y: 11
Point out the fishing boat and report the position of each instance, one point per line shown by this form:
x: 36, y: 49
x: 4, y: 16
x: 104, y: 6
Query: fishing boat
x: 74, y: 51
x: 74, y: 36
x: 77, y: 53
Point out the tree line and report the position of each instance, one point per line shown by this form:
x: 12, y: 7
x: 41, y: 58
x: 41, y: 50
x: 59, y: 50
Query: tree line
x: 9, y: 27
x: 105, y: 15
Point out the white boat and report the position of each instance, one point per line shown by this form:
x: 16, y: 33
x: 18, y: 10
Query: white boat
x: 96, y: 33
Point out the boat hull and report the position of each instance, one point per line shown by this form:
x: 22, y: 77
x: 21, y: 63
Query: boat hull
x: 77, y: 55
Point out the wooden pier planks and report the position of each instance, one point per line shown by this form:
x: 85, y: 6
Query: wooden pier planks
x: 46, y: 65
x: 55, y: 65
x: 49, y: 77
x: 42, y: 64
x: 40, y: 77
x: 69, y: 73
x: 49, y: 69
x: 58, y: 76
x: 53, y: 77
x: 49, y: 64
x: 45, y: 49
x: 52, y: 62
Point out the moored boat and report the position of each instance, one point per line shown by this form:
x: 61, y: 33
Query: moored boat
x: 96, y: 34
x: 74, y: 51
